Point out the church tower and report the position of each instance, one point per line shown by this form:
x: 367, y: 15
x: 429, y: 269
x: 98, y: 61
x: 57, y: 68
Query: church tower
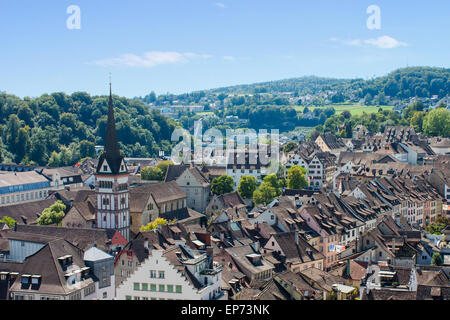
x: 111, y: 182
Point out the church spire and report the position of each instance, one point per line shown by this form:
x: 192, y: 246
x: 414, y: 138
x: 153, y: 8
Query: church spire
x: 112, y: 151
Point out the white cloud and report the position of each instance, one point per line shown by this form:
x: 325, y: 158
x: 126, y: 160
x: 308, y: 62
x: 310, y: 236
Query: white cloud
x: 353, y: 43
x: 229, y: 58
x: 220, y: 5
x: 385, y: 42
x: 151, y: 59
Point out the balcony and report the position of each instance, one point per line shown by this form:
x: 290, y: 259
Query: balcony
x: 211, y: 272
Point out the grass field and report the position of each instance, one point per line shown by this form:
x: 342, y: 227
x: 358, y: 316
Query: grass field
x: 355, y: 109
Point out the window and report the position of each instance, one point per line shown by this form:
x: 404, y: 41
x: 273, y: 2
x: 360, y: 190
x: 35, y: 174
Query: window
x: 128, y: 297
x: 152, y: 274
x: 136, y: 286
x: 169, y: 288
x: 144, y: 287
x: 162, y: 288
x: 161, y: 275
x: 153, y: 287
x: 178, y: 289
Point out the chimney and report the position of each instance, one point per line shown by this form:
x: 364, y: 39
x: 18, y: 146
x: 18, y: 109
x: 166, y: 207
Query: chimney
x: 146, y: 244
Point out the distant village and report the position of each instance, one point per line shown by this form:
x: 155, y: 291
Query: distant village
x: 372, y: 224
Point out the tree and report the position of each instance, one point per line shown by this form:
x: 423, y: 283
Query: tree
x: 247, y: 186
x: 437, y: 123
x: 54, y: 160
x: 163, y: 166
x: 87, y: 149
x: 10, y: 222
x: 346, y: 114
x: 436, y: 260
x: 152, y: 174
x: 52, y: 215
x: 154, y: 224
x: 439, y: 225
x: 296, y: 178
x: 417, y: 120
x: 38, y: 152
x: 23, y: 143
x: 265, y: 194
x: 12, y: 132
x: 222, y: 185
x: 273, y: 180
x: 289, y: 146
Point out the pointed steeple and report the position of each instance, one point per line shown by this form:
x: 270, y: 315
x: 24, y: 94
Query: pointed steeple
x: 111, y: 142
x: 112, y: 151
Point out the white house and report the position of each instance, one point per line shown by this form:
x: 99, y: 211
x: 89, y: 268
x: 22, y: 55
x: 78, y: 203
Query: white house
x: 177, y: 273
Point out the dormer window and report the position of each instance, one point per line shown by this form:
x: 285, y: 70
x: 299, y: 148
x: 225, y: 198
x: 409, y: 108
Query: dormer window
x: 25, y: 279
x: 105, y: 168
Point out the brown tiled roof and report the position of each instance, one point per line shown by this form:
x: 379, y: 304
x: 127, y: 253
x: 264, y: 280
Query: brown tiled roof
x: 273, y: 291
x: 174, y: 171
x: 75, y: 195
x: 297, y: 281
x: 323, y: 279
x: 82, y: 238
x: 432, y: 276
x: 433, y: 293
x: 183, y: 215
x: 358, y: 269
x: 161, y: 192
x: 332, y: 141
x: 85, y: 209
x: 231, y: 200
x: 26, y: 213
x: 386, y: 294
x: 45, y: 263
x: 138, y: 201
x: 29, y: 237
x: 296, y: 253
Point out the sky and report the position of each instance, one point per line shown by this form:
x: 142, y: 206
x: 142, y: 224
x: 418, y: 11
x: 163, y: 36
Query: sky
x: 180, y: 46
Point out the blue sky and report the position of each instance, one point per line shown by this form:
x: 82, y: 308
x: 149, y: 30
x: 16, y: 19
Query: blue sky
x: 179, y: 46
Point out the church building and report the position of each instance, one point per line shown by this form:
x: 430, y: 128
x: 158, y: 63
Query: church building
x: 111, y: 183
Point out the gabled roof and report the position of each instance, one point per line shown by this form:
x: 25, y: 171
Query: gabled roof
x: 332, y: 141
x: 296, y: 253
x: 161, y: 192
x: 85, y: 209
x: 45, y: 263
x: 231, y: 200
x: 82, y: 238
x: 175, y: 171
x: 26, y: 213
